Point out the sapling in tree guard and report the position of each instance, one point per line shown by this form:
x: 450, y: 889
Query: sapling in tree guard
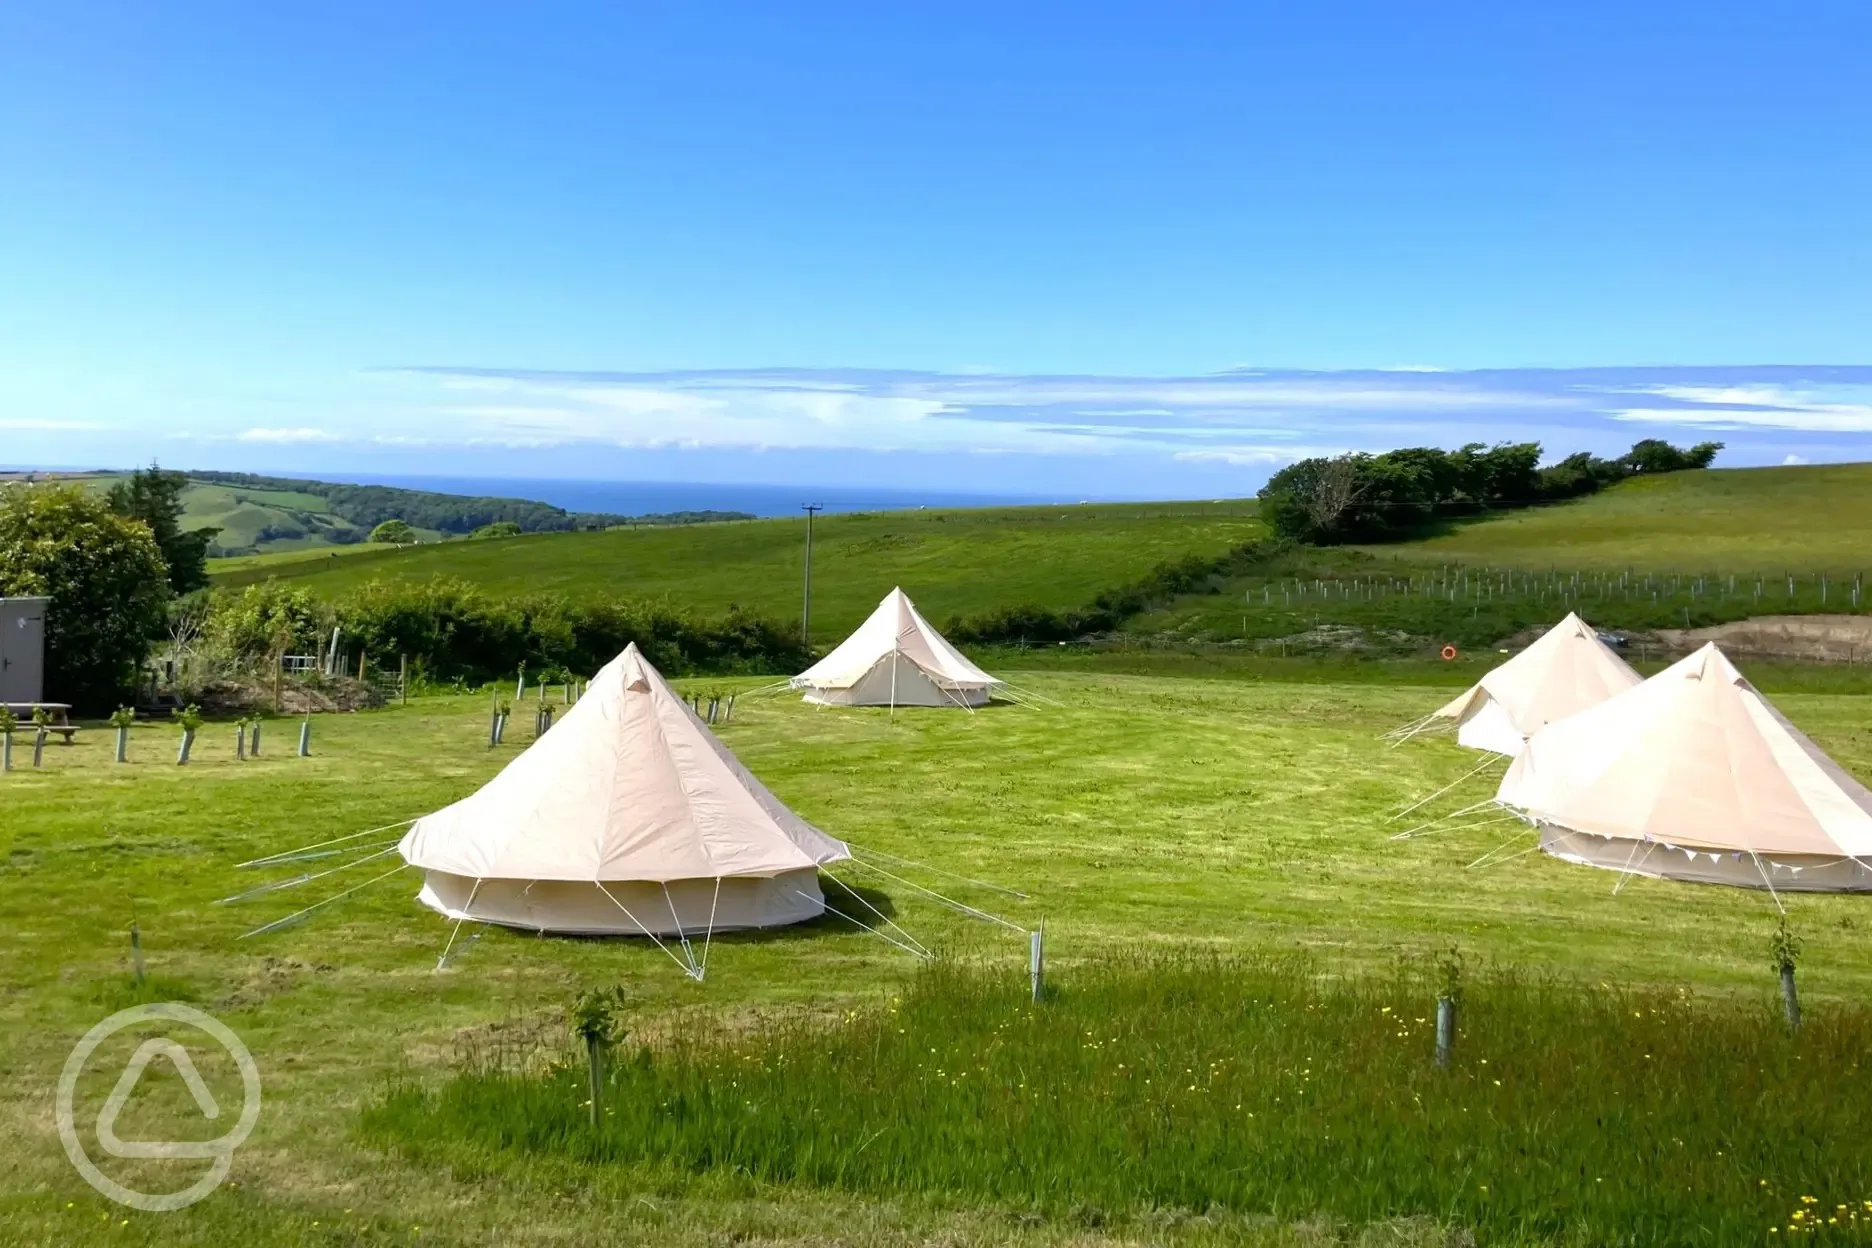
x: 595, y: 1021
x: 240, y: 739
x: 1446, y: 1004
x: 8, y: 723
x: 41, y: 723
x: 253, y: 747
x: 190, y: 718
x: 121, y: 719
x: 1784, y: 949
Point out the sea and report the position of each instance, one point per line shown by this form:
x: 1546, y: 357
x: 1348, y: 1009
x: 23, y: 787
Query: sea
x: 638, y: 498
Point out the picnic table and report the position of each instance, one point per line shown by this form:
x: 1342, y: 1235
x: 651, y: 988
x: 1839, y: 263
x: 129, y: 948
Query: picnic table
x: 58, y: 712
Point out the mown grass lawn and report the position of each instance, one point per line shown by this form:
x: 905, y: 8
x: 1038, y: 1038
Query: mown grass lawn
x: 1165, y: 813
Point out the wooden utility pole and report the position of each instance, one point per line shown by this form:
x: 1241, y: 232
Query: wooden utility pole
x: 811, y: 509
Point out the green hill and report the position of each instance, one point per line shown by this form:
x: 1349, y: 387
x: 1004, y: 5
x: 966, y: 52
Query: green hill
x: 1736, y: 520
x: 951, y: 562
x: 1688, y: 549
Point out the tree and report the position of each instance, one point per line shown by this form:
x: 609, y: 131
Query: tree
x: 395, y: 532
x: 1309, y: 501
x: 105, y: 576
x: 1653, y: 455
x: 155, y: 497
x: 500, y: 528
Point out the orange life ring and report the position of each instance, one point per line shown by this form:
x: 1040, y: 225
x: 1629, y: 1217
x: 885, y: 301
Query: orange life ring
x: 1449, y: 652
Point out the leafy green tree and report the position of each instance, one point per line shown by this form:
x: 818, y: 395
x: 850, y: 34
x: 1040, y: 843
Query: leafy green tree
x: 105, y: 576
x: 261, y: 618
x: 1360, y: 497
x: 395, y: 532
x: 1654, y: 455
x: 155, y: 497
x: 500, y: 528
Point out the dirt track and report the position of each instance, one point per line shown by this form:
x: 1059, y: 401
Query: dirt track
x: 1819, y: 638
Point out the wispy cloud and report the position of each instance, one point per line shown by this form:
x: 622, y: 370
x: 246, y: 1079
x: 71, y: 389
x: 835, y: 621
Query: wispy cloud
x: 1248, y: 415
x: 34, y: 424
x: 286, y: 437
x: 1249, y: 418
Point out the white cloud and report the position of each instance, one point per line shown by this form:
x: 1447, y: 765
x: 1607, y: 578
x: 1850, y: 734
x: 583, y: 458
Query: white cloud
x: 1255, y: 456
x: 285, y: 437
x: 1793, y: 459
x: 1813, y: 418
x: 1249, y: 417
x: 33, y: 424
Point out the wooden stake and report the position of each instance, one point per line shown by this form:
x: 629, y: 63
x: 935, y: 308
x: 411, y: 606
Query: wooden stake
x: 403, y: 679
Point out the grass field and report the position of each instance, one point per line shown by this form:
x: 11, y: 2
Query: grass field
x: 950, y: 562
x: 1688, y: 550
x: 1747, y: 520
x: 1142, y: 813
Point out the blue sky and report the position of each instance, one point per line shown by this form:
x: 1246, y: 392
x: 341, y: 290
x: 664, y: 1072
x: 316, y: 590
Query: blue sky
x: 1081, y: 248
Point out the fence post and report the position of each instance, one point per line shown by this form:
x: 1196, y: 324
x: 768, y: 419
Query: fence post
x: 403, y: 680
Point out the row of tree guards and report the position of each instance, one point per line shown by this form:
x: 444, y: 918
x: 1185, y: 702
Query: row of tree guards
x: 190, y: 719
x: 1508, y: 585
x: 711, y: 708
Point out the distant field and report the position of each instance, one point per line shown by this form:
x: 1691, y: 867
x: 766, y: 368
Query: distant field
x: 1690, y: 549
x: 951, y: 562
x: 1806, y: 519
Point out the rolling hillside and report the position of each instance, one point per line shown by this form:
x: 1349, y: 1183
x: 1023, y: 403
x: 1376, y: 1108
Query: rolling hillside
x: 952, y: 562
x: 1691, y: 549
x: 1738, y: 520
x: 1706, y: 547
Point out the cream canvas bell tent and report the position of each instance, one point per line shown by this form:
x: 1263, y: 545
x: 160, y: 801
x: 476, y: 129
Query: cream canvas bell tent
x: 1693, y: 775
x: 896, y: 659
x: 628, y: 817
x: 1567, y: 670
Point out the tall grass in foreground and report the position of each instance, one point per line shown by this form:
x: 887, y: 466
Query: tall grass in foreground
x: 1571, y: 1113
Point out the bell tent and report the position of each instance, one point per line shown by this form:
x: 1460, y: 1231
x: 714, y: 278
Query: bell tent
x: 628, y: 817
x: 1567, y: 670
x: 896, y: 659
x: 1693, y: 775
